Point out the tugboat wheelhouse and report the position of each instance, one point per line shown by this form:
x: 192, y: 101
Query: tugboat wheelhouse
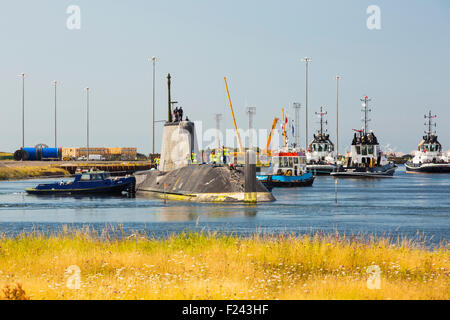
x: 365, y: 150
x: 289, y: 162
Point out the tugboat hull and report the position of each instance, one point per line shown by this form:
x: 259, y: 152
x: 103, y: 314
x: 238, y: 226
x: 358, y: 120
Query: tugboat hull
x: 97, y: 184
x: 279, y: 181
x: 383, y: 172
x: 100, y: 190
x: 428, y: 168
x: 320, y: 169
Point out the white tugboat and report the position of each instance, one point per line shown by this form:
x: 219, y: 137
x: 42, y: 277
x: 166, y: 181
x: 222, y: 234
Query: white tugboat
x: 429, y: 157
x: 320, y: 156
x: 366, y: 158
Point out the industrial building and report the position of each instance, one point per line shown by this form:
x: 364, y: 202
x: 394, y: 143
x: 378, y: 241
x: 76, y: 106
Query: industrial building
x: 108, y: 153
x: 42, y: 153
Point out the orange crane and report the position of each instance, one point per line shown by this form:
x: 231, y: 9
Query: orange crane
x: 284, y: 128
x: 269, y: 139
x: 241, y: 149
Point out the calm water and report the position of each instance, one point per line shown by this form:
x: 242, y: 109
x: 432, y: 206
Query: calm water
x: 404, y: 205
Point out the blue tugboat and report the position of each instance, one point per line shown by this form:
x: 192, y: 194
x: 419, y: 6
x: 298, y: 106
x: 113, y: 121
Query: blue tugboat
x: 288, y: 169
x: 88, y: 182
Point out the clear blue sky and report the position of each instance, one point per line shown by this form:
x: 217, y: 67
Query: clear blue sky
x: 258, y: 45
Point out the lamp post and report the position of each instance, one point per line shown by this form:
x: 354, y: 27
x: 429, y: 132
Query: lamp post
x: 297, y: 107
x: 307, y: 61
x: 153, y: 59
x: 218, y: 117
x: 337, y: 115
x: 251, y: 112
x: 87, y: 123
x: 54, y: 82
x: 23, y: 109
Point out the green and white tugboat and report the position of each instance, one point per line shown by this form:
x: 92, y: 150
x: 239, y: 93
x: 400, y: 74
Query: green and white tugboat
x: 429, y: 157
x: 366, y: 159
x: 320, y: 155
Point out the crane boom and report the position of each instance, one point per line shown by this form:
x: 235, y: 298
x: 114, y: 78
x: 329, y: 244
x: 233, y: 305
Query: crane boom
x: 234, y: 120
x: 284, y: 128
x: 269, y: 139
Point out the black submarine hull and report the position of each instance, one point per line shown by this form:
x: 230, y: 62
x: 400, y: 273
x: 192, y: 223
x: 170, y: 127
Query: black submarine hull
x: 201, y: 183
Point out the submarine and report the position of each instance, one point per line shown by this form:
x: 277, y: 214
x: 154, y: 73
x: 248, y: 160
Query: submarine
x: 177, y: 178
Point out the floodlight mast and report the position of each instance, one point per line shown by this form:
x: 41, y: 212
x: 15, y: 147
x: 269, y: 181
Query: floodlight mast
x: 153, y: 60
x: 87, y: 122
x: 218, y: 117
x: 307, y: 61
x: 23, y: 109
x: 337, y: 114
x: 251, y: 112
x: 54, y: 82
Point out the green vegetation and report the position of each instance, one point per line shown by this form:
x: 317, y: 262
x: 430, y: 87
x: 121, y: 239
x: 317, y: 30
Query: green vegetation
x: 24, y: 172
x: 212, y: 266
x: 6, y: 156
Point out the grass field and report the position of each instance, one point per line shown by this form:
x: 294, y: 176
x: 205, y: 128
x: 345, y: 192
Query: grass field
x: 6, y: 156
x: 24, y: 172
x: 211, y: 266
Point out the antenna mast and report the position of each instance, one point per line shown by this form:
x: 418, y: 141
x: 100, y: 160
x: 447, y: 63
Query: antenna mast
x: 430, y: 118
x: 169, y: 106
x: 322, y: 114
x: 366, y: 110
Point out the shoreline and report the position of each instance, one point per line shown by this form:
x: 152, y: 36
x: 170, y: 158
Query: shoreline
x: 11, y: 170
x: 212, y: 266
x: 23, y: 172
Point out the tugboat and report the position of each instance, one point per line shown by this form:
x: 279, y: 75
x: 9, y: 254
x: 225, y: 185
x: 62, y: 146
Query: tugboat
x: 429, y: 157
x: 87, y: 182
x: 287, y: 169
x: 366, y: 158
x: 287, y: 166
x: 320, y: 156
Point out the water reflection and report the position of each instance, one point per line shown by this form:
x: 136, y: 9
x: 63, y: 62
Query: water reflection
x: 189, y: 212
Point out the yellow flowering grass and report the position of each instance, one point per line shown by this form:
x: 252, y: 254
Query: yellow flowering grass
x: 212, y: 266
x: 24, y: 172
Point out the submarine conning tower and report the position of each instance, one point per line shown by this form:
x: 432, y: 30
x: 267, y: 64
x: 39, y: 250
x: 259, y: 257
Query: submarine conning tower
x: 179, y: 142
x: 177, y: 178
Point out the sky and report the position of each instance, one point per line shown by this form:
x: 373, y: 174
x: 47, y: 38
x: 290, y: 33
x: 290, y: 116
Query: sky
x: 258, y: 45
